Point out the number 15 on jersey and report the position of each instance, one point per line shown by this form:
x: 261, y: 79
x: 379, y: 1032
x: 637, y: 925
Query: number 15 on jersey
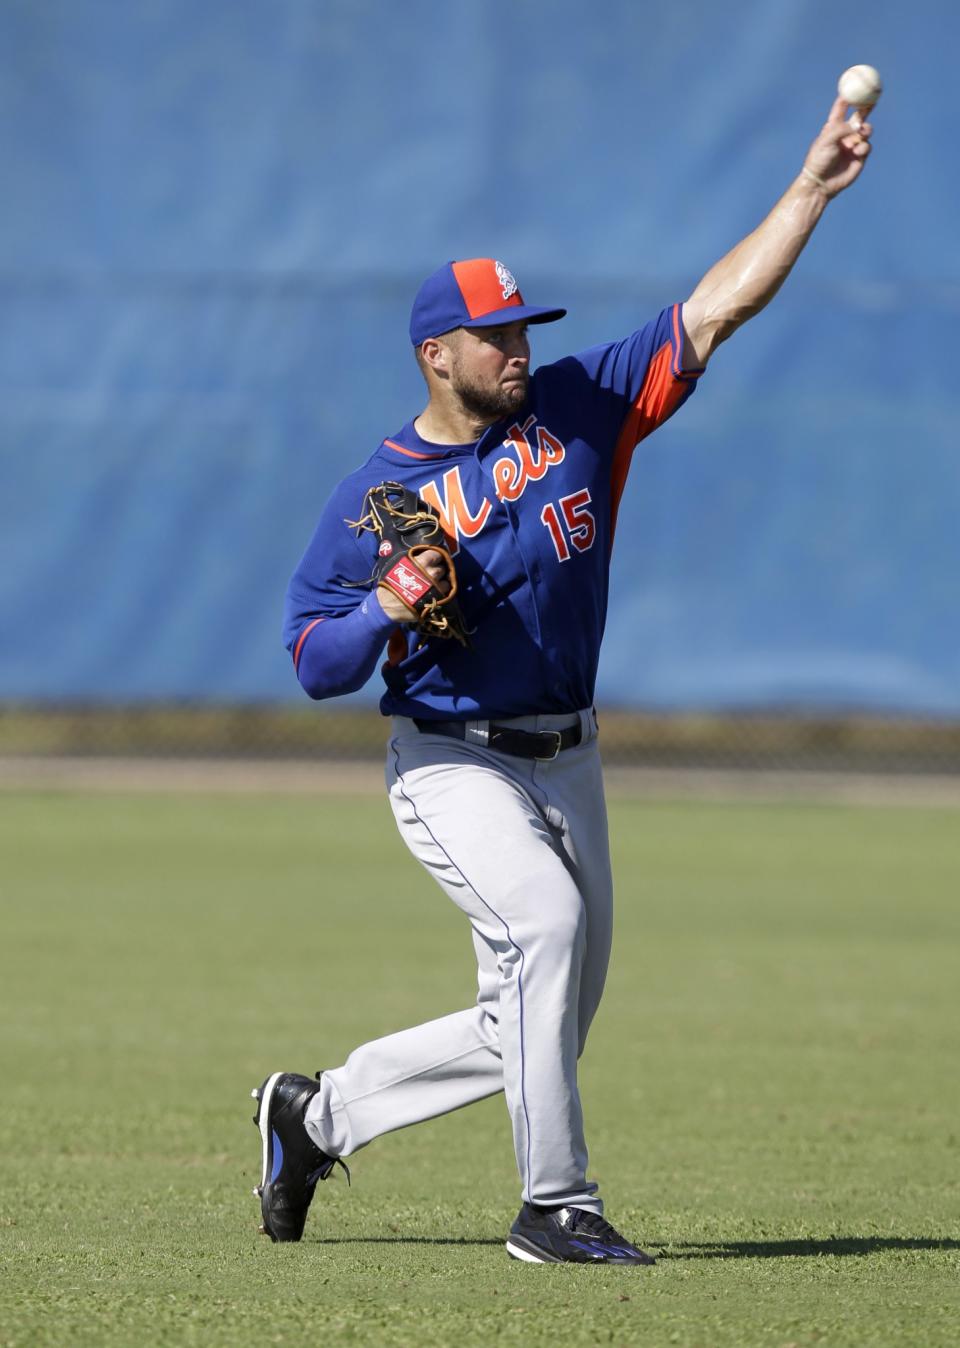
x: 572, y: 523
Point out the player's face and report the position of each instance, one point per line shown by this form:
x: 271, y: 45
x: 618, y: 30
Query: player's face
x: 490, y: 369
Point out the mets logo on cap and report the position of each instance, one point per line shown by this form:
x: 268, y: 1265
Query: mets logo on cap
x: 505, y: 277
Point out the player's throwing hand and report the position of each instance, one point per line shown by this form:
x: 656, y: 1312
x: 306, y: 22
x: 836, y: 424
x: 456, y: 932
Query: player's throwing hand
x: 839, y: 152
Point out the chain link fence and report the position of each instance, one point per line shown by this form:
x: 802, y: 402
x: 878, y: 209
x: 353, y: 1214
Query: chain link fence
x: 744, y: 741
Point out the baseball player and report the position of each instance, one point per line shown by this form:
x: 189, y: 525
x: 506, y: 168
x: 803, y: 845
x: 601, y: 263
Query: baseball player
x: 492, y: 766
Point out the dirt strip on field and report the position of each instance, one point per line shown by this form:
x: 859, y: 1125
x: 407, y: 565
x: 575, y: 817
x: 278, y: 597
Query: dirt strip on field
x: 246, y: 776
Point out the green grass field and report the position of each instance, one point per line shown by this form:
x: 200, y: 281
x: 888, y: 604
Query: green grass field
x: 772, y: 1089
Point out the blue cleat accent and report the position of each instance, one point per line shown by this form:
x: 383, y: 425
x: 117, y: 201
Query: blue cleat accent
x: 291, y: 1160
x: 277, y: 1156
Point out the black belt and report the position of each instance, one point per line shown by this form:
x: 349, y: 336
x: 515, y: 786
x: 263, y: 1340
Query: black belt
x: 543, y: 745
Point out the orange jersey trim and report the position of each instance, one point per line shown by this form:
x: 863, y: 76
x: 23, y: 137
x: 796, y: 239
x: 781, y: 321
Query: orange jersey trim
x: 678, y: 337
x: 301, y: 639
x: 411, y: 453
x: 661, y: 393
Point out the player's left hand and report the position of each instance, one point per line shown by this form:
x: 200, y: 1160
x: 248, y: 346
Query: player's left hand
x: 838, y: 154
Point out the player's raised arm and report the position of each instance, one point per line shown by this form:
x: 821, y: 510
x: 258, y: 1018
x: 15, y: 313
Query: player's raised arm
x: 747, y: 278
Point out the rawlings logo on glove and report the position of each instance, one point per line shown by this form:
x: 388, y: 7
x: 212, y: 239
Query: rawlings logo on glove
x: 409, y: 529
x: 407, y: 583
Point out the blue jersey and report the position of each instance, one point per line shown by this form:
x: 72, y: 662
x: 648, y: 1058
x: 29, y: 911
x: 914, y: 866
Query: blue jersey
x: 530, y: 511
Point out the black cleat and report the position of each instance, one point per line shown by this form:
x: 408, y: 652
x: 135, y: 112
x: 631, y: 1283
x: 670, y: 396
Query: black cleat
x: 569, y: 1236
x: 292, y: 1164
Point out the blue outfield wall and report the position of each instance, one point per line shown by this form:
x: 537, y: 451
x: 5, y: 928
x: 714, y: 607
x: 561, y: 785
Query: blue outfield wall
x: 215, y: 217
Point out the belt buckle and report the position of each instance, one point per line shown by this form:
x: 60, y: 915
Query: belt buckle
x: 548, y: 758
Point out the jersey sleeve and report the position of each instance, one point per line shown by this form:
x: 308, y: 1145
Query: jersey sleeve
x: 333, y: 657
x: 630, y: 387
x: 640, y: 380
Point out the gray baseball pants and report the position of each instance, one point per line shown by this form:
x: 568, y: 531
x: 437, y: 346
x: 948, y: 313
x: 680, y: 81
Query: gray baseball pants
x: 521, y: 848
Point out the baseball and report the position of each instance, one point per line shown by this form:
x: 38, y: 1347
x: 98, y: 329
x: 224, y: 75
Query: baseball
x: 860, y: 86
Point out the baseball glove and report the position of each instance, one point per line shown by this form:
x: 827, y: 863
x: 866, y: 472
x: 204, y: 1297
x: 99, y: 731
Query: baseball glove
x: 407, y: 526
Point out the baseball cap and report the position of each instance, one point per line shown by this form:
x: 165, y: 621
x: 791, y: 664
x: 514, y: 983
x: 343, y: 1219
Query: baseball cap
x: 477, y: 293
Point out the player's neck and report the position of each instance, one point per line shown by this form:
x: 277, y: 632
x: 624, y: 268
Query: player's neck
x: 441, y: 424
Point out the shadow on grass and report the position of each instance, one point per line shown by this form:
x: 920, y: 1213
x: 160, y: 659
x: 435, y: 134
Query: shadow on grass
x: 401, y: 1240
x: 783, y: 1249
x: 740, y: 1249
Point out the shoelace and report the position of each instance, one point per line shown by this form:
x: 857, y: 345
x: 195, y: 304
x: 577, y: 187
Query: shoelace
x: 324, y: 1171
x: 593, y: 1224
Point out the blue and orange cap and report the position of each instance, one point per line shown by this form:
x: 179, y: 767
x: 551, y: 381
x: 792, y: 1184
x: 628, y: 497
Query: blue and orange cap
x: 478, y: 293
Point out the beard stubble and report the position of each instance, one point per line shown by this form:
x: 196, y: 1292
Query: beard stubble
x: 490, y: 404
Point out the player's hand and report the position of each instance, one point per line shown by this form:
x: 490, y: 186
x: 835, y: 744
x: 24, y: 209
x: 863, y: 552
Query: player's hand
x: 838, y: 154
x: 435, y: 565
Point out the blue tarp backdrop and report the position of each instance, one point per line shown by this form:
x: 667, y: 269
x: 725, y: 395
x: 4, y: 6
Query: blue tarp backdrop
x: 215, y: 216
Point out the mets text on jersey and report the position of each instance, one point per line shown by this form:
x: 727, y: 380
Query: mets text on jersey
x: 536, y: 453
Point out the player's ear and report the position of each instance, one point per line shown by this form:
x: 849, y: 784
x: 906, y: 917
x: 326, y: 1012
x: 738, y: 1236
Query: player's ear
x: 435, y: 355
